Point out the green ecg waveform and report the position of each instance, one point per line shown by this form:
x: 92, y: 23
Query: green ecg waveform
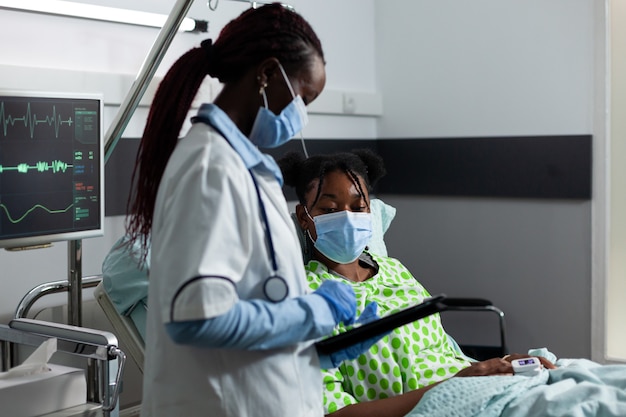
x: 31, y: 121
x: 36, y: 206
x: 40, y: 166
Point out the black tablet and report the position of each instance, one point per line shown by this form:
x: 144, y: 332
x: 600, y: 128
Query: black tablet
x: 383, y: 325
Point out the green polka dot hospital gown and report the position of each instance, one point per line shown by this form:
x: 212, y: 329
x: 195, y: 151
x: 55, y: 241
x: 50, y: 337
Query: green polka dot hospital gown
x: 410, y: 357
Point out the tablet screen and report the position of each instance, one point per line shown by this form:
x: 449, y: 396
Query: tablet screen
x: 383, y: 325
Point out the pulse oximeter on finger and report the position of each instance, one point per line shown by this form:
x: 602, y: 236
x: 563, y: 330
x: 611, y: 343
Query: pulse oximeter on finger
x: 527, y: 366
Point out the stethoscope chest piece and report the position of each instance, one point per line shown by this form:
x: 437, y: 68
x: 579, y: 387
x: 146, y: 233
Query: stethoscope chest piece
x: 275, y: 288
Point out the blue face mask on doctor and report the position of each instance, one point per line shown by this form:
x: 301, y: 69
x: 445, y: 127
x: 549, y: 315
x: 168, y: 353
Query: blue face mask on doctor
x: 342, y: 236
x: 270, y: 130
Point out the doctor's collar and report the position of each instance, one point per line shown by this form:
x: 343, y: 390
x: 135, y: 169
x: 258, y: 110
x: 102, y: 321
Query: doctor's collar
x: 215, y: 117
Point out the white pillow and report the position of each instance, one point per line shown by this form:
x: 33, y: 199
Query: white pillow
x: 382, y: 215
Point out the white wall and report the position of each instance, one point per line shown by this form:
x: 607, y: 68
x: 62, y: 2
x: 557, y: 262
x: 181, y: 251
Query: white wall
x: 616, y: 285
x: 45, y: 51
x: 494, y: 68
x: 485, y: 67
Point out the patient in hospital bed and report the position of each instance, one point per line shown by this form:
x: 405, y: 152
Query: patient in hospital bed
x: 418, y: 369
x: 125, y: 280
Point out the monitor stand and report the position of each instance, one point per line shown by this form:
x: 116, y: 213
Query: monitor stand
x: 74, y: 278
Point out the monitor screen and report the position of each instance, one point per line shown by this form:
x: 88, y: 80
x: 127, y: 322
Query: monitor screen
x: 51, y: 167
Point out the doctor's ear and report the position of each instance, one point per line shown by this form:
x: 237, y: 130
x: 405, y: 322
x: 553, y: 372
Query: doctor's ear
x: 267, y: 70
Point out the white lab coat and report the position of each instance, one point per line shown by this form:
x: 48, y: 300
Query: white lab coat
x: 207, y: 223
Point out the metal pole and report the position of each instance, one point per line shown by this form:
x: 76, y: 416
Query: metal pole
x: 75, y: 276
x: 148, y: 68
x: 5, y: 356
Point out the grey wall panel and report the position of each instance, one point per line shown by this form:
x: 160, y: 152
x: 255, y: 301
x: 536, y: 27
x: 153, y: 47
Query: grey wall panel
x: 526, y: 167
x: 118, y: 172
x: 552, y: 167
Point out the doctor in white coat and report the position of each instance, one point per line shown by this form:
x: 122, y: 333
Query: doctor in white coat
x: 230, y: 328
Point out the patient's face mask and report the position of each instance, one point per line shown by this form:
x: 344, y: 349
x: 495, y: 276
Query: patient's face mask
x: 342, y: 236
x: 270, y: 130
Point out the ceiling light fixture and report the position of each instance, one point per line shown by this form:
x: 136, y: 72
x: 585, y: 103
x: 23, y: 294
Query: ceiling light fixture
x: 253, y: 3
x: 102, y: 13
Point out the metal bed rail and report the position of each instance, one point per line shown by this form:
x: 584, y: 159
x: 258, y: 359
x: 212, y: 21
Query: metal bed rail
x: 100, y: 348
x: 26, y: 303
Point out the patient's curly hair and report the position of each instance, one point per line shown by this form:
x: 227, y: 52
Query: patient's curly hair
x: 300, y: 172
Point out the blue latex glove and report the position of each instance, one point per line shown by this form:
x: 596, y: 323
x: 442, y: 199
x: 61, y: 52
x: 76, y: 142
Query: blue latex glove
x: 369, y: 313
x: 334, y: 359
x: 341, y: 300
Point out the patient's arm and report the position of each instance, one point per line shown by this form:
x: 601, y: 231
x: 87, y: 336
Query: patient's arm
x: 400, y: 405
x: 389, y: 407
x: 495, y: 366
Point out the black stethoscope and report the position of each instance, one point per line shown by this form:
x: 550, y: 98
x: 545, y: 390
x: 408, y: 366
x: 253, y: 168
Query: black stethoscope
x: 275, y: 287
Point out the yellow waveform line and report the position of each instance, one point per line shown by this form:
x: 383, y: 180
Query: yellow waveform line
x: 19, y: 219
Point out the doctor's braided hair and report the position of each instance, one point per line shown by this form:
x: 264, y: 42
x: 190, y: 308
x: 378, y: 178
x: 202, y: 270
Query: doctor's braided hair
x: 270, y: 31
x: 300, y: 173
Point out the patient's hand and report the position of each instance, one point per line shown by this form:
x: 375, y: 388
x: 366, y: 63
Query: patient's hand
x: 499, y: 366
x: 546, y: 363
x: 495, y: 366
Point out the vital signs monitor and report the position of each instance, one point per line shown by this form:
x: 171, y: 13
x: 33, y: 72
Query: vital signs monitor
x: 51, y: 168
